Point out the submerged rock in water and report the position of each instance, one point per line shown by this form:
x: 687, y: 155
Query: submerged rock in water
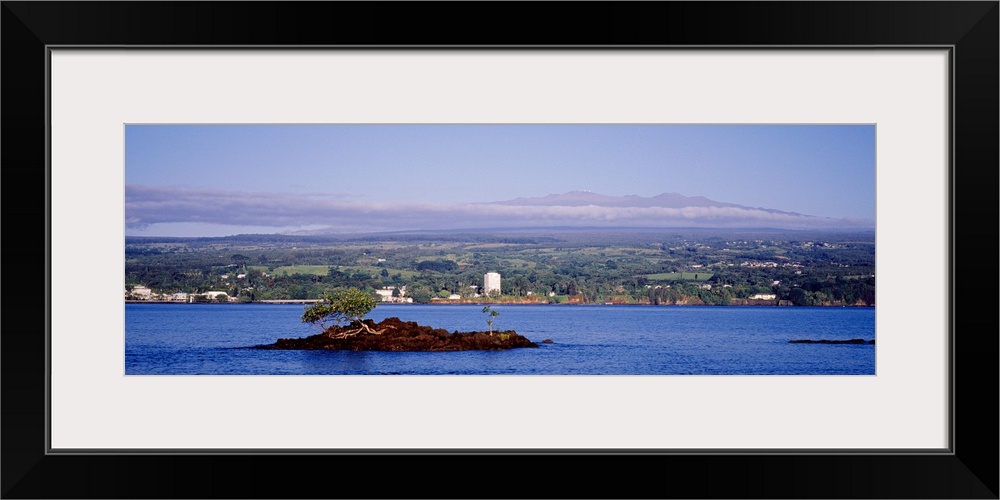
x: 397, y: 335
x: 852, y: 341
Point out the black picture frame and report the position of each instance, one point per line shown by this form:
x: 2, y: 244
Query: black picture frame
x: 969, y: 28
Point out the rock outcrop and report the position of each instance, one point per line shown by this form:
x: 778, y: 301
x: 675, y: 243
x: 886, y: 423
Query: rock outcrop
x: 397, y: 335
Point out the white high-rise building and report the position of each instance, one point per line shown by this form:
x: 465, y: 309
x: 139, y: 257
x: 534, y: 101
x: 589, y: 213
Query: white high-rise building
x: 491, y: 282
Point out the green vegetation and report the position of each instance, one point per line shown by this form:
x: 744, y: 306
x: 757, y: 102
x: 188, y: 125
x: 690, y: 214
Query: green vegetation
x: 301, y: 269
x: 349, y: 305
x: 628, y: 267
x: 692, y: 276
x: 492, y: 317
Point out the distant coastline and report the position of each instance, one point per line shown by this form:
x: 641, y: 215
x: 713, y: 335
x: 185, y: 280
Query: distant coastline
x: 736, y: 302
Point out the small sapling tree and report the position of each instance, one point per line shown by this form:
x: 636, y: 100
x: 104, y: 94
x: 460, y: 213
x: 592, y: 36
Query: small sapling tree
x: 349, y: 305
x: 492, y: 317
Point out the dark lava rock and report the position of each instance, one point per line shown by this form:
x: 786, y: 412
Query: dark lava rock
x: 852, y: 341
x: 400, y: 335
x: 548, y: 341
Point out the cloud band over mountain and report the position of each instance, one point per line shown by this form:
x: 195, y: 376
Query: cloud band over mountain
x: 146, y: 206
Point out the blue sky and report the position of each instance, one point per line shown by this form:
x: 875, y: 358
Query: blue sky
x: 216, y: 180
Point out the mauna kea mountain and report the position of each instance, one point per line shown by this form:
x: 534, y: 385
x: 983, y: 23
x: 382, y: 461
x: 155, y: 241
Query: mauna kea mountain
x: 577, y: 210
x: 585, y: 198
x: 574, y: 210
x: 148, y: 207
x: 667, y: 210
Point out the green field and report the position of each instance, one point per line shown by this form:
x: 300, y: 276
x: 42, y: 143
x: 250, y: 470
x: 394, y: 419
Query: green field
x: 301, y: 269
x: 376, y: 271
x: 700, y: 276
x: 323, y: 270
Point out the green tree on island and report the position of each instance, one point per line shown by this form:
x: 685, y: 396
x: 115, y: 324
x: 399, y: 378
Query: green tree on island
x: 493, y: 316
x: 349, y: 305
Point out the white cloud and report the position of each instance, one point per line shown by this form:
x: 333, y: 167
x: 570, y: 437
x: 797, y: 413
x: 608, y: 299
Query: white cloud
x: 147, y: 205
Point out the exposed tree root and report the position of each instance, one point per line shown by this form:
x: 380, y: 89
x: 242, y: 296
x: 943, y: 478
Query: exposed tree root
x: 350, y: 333
x: 365, y: 327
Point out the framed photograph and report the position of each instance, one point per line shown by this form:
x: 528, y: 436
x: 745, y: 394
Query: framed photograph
x: 166, y: 136
x: 379, y: 235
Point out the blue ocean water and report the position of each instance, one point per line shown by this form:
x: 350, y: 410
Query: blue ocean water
x: 215, y: 339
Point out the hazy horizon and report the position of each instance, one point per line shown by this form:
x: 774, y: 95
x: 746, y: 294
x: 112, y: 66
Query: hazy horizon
x: 219, y: 180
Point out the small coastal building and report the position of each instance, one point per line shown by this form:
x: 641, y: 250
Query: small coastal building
x: 390, y: 294
x: 141, y: 293
x: 764, y: 296
x: 215, y: 296
x: 385, y: 294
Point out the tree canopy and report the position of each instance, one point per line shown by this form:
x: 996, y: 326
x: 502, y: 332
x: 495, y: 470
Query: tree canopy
x: 349, y: 305
x: 492, y: 317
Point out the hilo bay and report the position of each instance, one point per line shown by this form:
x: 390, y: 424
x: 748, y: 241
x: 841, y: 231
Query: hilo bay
x: 224, y: 339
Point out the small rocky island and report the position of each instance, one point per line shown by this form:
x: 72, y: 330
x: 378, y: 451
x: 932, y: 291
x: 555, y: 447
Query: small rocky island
x: 392, y: 334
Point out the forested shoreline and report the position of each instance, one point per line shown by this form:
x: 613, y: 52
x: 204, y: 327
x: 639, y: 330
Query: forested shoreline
x: 656, y: 267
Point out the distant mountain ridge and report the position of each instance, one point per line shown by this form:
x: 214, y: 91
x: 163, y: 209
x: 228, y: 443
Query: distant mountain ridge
x: 665, y: 200
x: 145, y: 206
